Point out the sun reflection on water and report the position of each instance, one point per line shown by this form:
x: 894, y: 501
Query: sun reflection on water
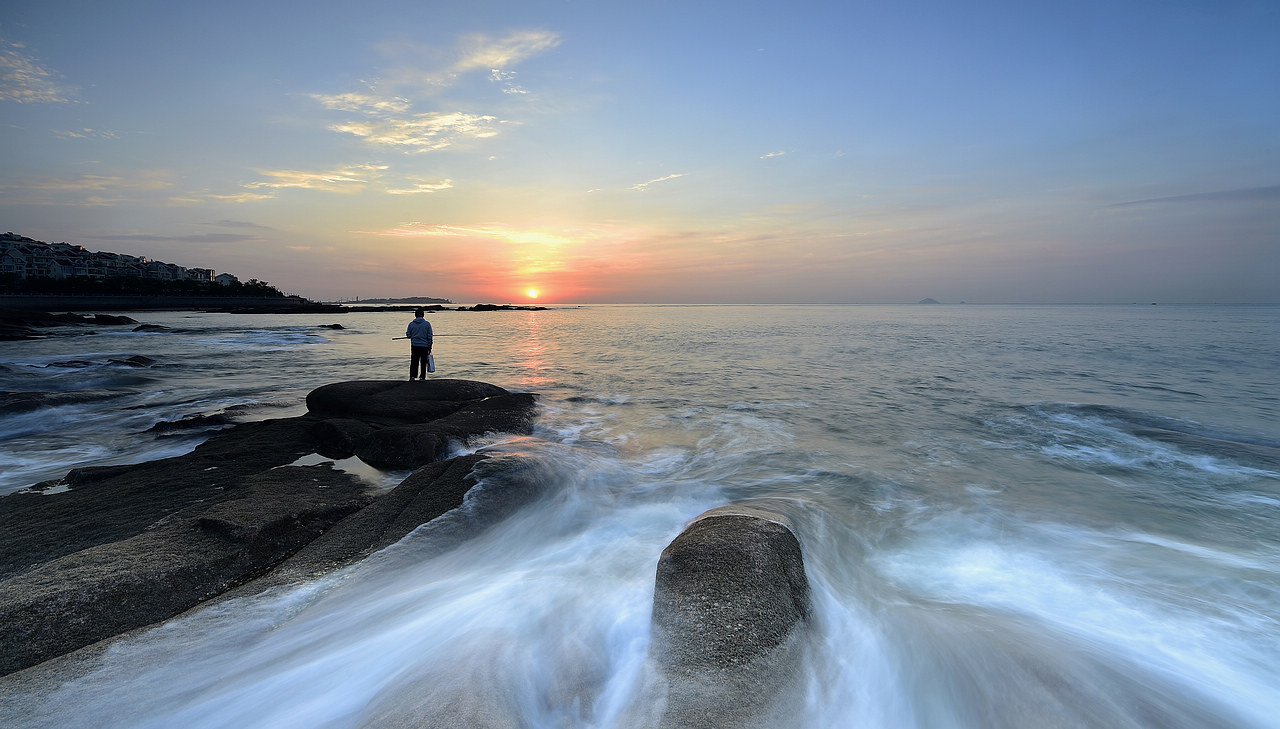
x: 532, y: 351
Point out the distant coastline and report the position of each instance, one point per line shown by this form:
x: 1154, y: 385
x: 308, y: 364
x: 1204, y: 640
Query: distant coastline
x: 156, y: 302
x: 234, y: 304
x: 405, y: 300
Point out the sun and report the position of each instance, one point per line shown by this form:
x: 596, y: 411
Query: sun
x: 532, y: 293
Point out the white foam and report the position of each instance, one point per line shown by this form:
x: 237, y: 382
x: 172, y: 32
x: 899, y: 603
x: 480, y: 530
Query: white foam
x: 374, y: 477
x: 1099, y: 607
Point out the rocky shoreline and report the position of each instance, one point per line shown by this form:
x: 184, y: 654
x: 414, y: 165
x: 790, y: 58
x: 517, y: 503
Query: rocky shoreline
x: 109, y: 550
x: 19, y: 324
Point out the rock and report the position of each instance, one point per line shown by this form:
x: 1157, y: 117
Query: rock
x: 731, y: 604
x: 332, y: 326
x: 136, y: 360
x: 112, y: 320
x: 402, y: 447
x: 501, y: 307
x: 17, y: 333
x: 338, y: 437
x: 280, y: 506
x: 507, y: 413
x: 402, y: 425
x: 398, y: 400
x: 411, y: 446
x: 40, y: 318
x: 21, y: 402
x: 121, y: 547
x: 19, y: 324
x: 112, y: 503
x: 192, y: 422
x: 189, y: 556
x: 428, y: 493
x: 71, y: 364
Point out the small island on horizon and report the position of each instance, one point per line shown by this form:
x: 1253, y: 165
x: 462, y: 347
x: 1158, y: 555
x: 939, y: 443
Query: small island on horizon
x: 424, y: 300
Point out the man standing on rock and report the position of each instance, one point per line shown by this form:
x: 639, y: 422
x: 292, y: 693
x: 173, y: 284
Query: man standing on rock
x: 420, y: 340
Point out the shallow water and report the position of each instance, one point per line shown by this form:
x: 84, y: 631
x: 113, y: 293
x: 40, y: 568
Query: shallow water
x: 1011, y: 516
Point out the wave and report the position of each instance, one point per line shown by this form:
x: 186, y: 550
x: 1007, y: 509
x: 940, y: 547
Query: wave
x: 1121, y: 437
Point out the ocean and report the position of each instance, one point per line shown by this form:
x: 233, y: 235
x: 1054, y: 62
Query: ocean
x: 1011, y: 516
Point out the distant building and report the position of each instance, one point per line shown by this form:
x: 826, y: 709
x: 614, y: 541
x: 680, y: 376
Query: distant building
x: 28, y: 258
x: 165, y: 271
x: 14, y: 263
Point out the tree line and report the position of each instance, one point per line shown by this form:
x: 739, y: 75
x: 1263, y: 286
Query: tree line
x: 12, y: 283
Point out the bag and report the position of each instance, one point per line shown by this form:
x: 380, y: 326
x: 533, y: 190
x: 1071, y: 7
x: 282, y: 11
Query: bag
x: 431, y: 363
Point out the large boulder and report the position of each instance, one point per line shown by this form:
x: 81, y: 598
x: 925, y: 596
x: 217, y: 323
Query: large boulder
x: 398, y: 400
x: 730, y: 607
x: 399, y: 424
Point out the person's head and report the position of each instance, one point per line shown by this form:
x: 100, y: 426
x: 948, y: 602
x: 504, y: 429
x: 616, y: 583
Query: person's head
x: 420, y: 313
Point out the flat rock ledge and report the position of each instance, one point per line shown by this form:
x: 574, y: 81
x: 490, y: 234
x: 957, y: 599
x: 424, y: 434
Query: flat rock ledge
x: 116, y: 548
x: 730, y: 610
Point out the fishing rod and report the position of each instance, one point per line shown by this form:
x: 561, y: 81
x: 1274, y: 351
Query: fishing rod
x: 450, y: 335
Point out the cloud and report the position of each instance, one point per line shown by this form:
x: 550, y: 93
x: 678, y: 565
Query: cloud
x: 24, y: 80
x: 779, y: 153
x: 87, y: 189
x: 645, y: 185
x: 201, y: 238
x: 384, y: 117
x: 491, y: 231
x: 422, y: 186
x: 228, y: 223
x: 482, y: 52
x: 85, y: 134
x: 427, y: 69
x: 506, y: 78
x: 1248, y: 194
x: 242, y: 197
x: 363, y: 103
x: 422, y: 132
x: 351, y: 178
x: 80, y: 183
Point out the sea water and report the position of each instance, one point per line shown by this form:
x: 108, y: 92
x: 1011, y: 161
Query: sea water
x: 1011, y: 516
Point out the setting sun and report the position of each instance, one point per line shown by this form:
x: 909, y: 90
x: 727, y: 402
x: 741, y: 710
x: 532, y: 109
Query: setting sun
x: 532, y: 293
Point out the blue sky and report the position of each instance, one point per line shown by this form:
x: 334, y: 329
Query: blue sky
x: 659, y: 152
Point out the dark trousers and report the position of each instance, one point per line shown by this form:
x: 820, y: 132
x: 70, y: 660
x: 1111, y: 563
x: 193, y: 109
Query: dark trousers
x: 418, y: 362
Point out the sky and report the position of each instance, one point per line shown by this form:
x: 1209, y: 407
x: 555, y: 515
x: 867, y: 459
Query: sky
x: 986, y: 151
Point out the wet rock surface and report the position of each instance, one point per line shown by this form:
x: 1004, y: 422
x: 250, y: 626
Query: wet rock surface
x: 110, y: 549
x: 19, y: 324
x: 731, y: 604
x: 402, y: 424
x: 398, y: 401
x: 22, y: 402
